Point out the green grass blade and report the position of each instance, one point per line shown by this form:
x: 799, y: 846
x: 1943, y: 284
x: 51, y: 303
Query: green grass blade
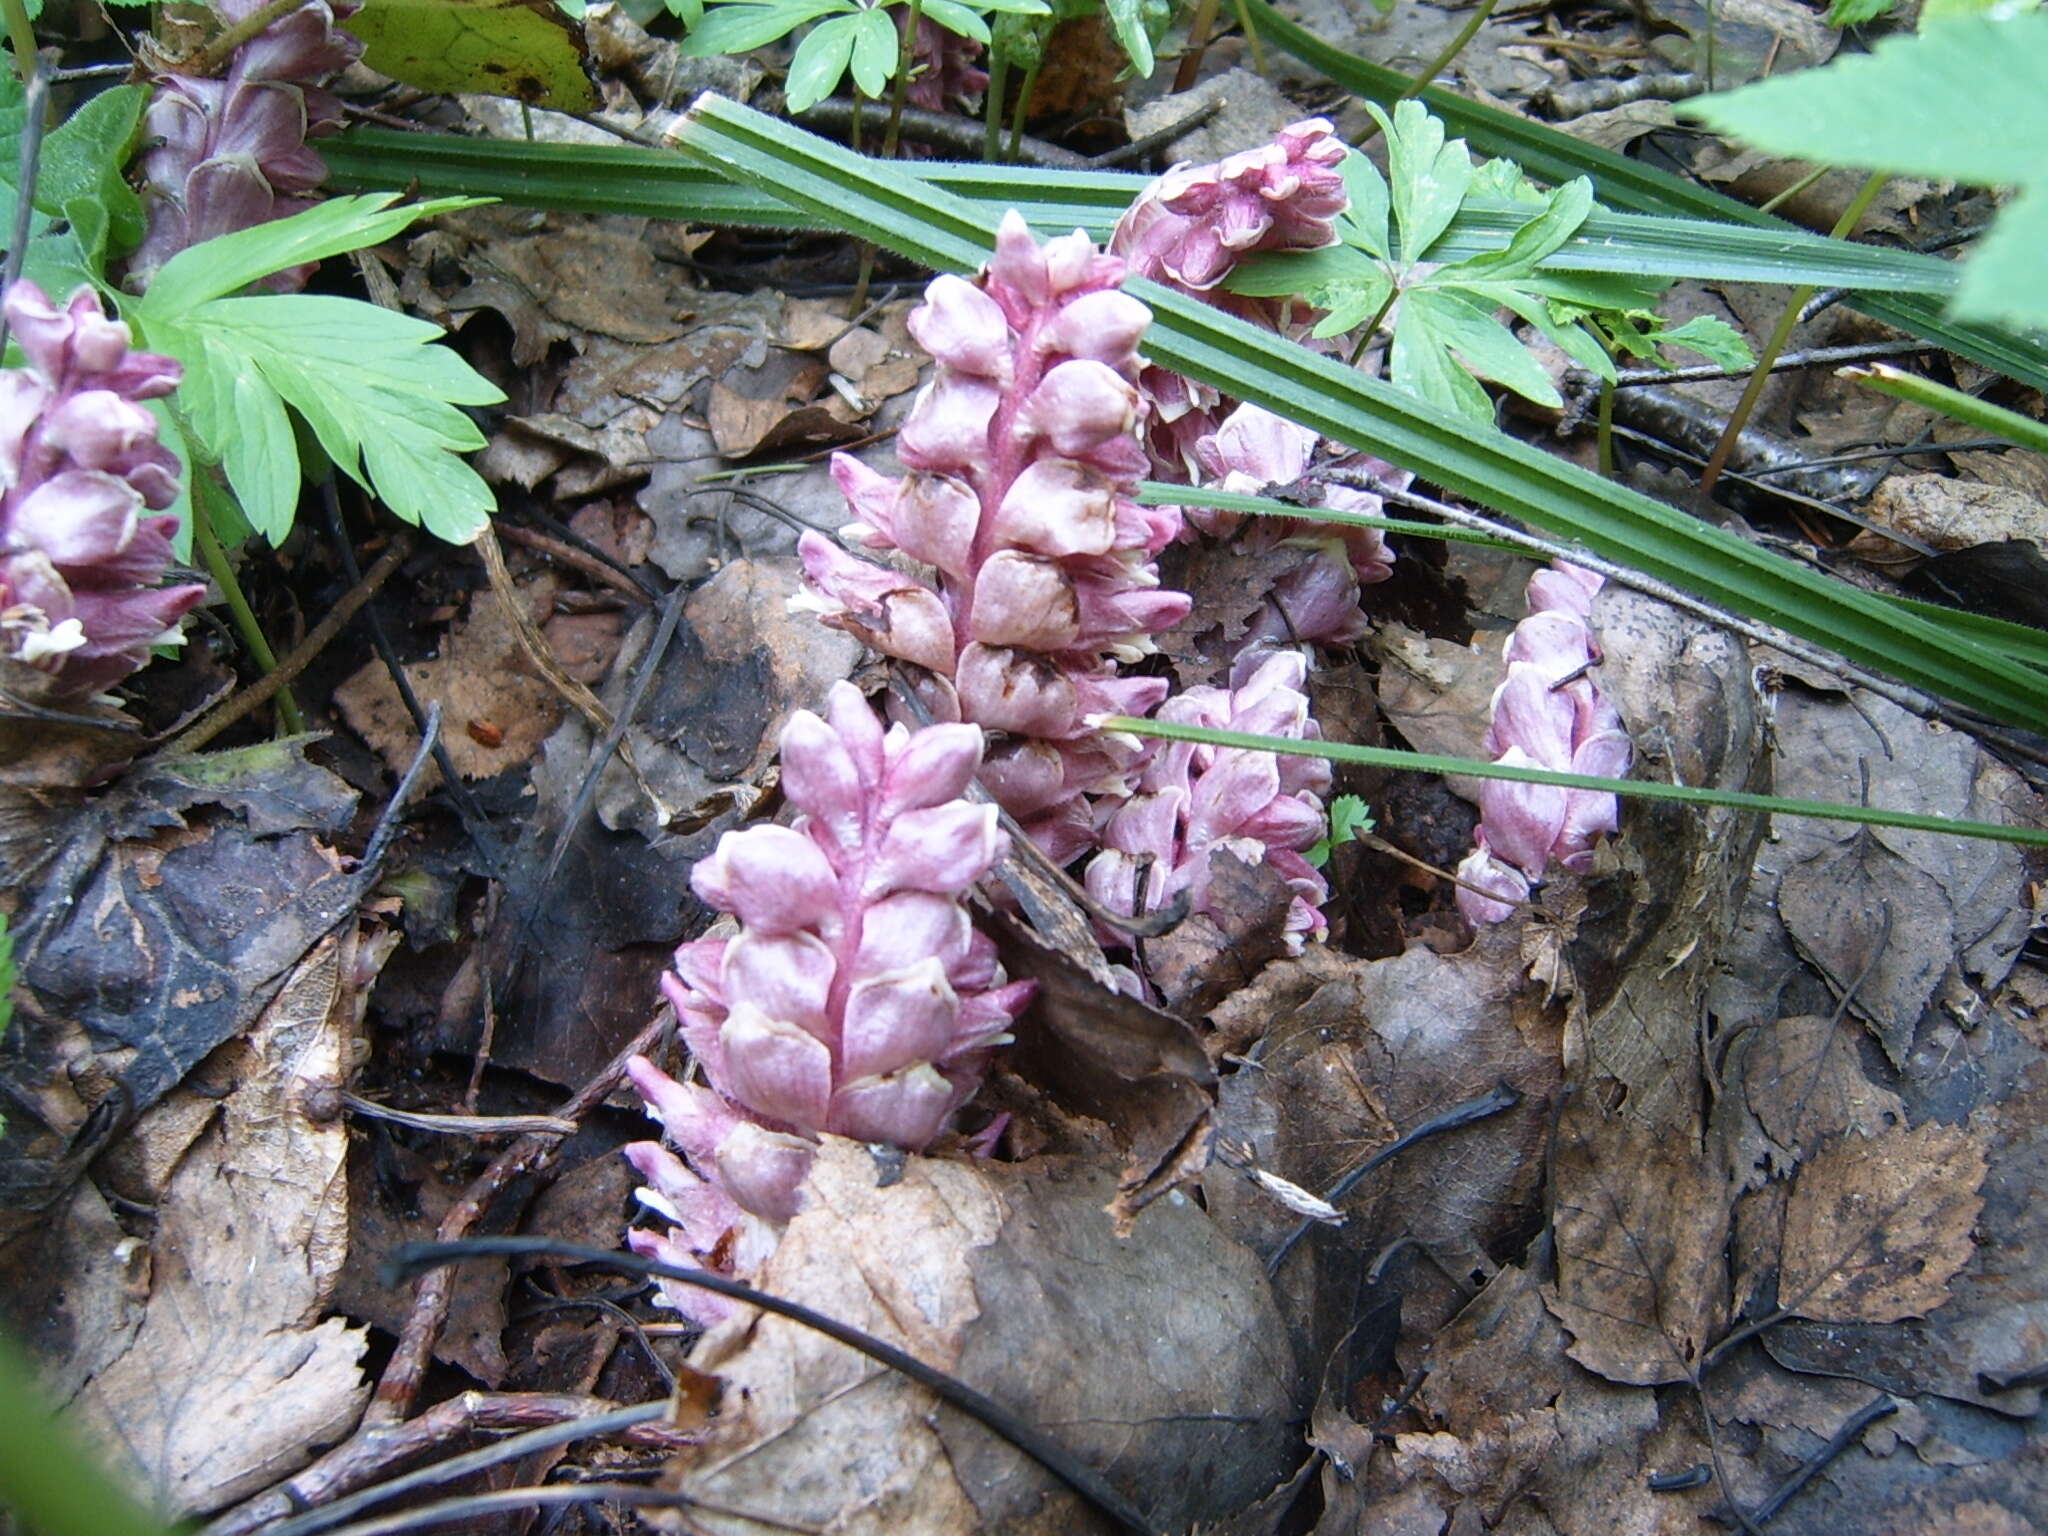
x: 876, y: 201
x: 1640, y: 789
x: 655, y: 183
x: 1953, y: 403
x: 1554, y: 157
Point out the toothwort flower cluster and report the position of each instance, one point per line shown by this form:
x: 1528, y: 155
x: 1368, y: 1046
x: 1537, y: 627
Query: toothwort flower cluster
x: 1254, y: 450
x: 230, y: 154
x: 80, y: 566
x: 943, y: 67
x: 1023, y: 454
x: 1193, y: 799
x: 856, y: 1000
x: 1192, y: 225
x: 1547, y: 713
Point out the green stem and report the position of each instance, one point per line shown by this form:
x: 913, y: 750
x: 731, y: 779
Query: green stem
x: 223, y: 574
x: 1423, y: 80
x: 1995, y: 419
x: 1773, y: 204
x: 1753, y: 391
x: 1022, y: 111
x: 1606, y: 429
x: 992, y: 104
x: 1372, y: 327
x: 21, y: 32
x: 905, y: 55
x: 1641, y: 789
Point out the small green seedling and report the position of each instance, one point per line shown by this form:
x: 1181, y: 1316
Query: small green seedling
x: 1349, y: 818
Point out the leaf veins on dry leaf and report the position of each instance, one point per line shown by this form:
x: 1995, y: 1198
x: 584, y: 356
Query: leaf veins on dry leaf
x: 1878, y: 1225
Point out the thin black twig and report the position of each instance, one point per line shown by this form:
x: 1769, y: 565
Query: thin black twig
x: 1494, y: 1101
x: 410, y: 1259
x: 1158, y: 139
x: 470, y: 1507
x: 387, y: 821
x: 1814, y: 1465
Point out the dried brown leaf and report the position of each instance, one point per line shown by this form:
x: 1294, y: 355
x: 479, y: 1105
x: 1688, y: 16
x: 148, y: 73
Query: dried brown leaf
x: 1641, y: 1223
x: 1159, y: 1360
x: 1878, y: 1225
x: 232, y: 1377
x: 1803, y: 1081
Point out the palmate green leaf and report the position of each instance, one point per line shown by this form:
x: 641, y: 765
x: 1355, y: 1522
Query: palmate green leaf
x: 1638, y: 789
x: 1965, y: 100
x: 376, y: 391
x: 1428, y: 177
x: 820, y: 61
x: 875, y: 52
x: 1127, y: 20
x: 1854, y: 13
x: 877, y: 201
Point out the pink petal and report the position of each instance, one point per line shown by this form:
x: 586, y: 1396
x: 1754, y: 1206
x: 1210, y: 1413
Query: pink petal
x: 764, y: 1170
x: 944, y: 848
x: 1489, y: 874
x: 772, y: 878
x: 1079, y: 406
x: 777, y: 1069
x: 787, y: 976
x: 819, y: 778
x: 1059, y: 507
x: 903, y: 1110
x: 963, y: 328
x: 897, y: 1019
x: 1024, y: 601
x: 936, y: 765
x: 909, y: 926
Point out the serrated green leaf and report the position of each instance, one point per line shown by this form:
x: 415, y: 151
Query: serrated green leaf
x: 1562, y: 212
x: 1714, y: 339
x: 1468, y: 328
x: 1364, y: 222
x: 1962, y: 100
x: 819, y: 63
x: 876, y: 48
x: 1555, y: 157
x: 1352, y: 303
x: 231, y: 262
x: 1427, y: 176
x: 524, y: 49
x: 1854, y: 13
x: 377, y: 393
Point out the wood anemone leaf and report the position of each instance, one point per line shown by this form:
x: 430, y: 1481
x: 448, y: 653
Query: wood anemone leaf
x: 879, y: 203
x: 658, y: 183
x: 1553, y: 157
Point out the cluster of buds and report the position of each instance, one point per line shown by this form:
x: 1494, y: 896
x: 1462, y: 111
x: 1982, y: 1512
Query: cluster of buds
x: 1023, y: 453
x: 943, y: 67
x: 81, y: 568
x: 1194, y: 799
x: 1255, y: 450
x: 231, y: 153
x: 1192, y: 225
x: 1547, y: 713
x: 856, y: 998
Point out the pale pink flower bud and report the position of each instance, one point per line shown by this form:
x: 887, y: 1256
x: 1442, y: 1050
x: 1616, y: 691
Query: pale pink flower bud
x: 1024, y: 452
x: 1547, y: 713
x: 856, y: 999
x: 80, y: 565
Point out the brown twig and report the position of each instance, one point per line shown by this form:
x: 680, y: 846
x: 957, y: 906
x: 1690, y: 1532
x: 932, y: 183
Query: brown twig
x: 365, y: 1458
x: 400, y: 1384
x: 462, y: 1125
x: 259, y: 693
x: 569, y: 555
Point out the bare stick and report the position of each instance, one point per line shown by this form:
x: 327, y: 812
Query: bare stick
x: 530, y: 1154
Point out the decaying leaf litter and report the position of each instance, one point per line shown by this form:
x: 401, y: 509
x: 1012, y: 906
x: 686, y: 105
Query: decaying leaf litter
x: 1715, y: 1151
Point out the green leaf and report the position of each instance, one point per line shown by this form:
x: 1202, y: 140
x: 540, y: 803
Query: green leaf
x: 525, y: 49
x: 379, y: 397
x: 876, y: 49
x: 1714, y: 339
x: 740, y: 26
x: 1428, y: 177
x: 819, y: 62
x: 1962, y: 100
x: 1563, y: 211
x: 1348, y: 818
x: 80, y: 173
x: 957, y: 19
x: 1127, y: 20
x: 230, y: 262
x: 1854, y: 13
x: 1364, y: 222
x: 1548, y: 155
